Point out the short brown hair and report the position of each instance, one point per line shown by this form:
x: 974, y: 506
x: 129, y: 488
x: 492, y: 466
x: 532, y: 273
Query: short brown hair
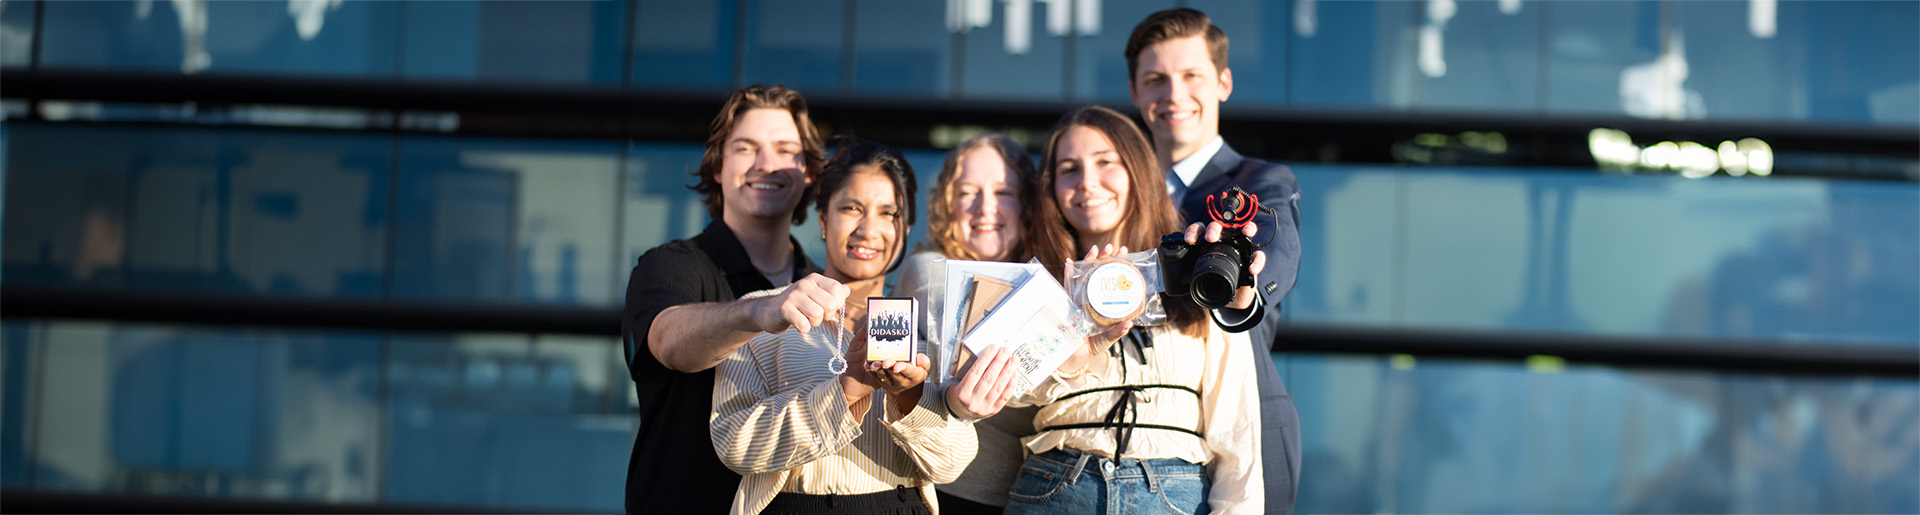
x: 1175, y: 24
x: 1149, y: 213
x: 944, y: 231
x: 746, y: 99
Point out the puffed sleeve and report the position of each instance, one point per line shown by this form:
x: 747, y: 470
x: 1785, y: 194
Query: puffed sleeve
x: 1230, y: 415
x: 755, y: 430
x: 940, y: 446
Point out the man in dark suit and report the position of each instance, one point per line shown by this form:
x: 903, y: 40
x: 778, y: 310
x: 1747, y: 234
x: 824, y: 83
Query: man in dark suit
x: 1177, y: 65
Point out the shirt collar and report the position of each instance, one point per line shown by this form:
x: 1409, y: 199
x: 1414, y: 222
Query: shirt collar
x: 1189, y: 168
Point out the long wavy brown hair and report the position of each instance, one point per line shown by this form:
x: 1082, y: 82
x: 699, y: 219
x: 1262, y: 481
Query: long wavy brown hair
x: 943, y: 230
x: 1149, y: 213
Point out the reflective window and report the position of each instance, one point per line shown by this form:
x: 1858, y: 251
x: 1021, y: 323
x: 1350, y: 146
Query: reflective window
x: 1099, y: 50
x: 1346, y: 54
x: 1591, y: 48
x: 189, y: 209
x: 1831, y: 61
x: 1257, y: 53
x: 1826, y: 261
x: 156, y: 410
x: 798, y: 43
x: 1400, y: 435
x: 574, y: 42
x: 307, y: 38
x: 16, y: 32
x: 1015, y: 50
x: 683, y: 44
x: 508, y: 421
x: 16, y: 356
x: 507, y: 220
x: 902, y: 48
x: 1482, y: 56
x: 658, y: 206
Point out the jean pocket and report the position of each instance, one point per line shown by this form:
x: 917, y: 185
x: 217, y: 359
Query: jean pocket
x: 1184, y: 494
x: 1036, y: 484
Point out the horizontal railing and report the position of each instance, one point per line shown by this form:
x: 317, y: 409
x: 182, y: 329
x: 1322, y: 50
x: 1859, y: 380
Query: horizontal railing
x: 1711, y: 355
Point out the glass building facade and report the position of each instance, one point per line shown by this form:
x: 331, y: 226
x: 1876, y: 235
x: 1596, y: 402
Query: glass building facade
x: 507, y: 155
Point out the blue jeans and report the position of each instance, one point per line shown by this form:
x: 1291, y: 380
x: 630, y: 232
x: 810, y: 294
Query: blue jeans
x: 1066, y: 481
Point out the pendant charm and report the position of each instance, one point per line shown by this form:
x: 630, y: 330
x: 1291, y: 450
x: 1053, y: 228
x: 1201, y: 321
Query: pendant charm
x: 837, y: 365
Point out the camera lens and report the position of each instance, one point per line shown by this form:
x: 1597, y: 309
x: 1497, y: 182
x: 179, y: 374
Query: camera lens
x: 1214, y: 276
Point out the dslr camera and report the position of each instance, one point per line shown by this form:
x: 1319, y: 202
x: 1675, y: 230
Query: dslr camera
x: 1209, y: 272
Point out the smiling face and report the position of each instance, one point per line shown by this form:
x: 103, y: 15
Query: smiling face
x: 1089, y: 183
x: 862, y: 226
x: 762, y: 173
x: 986, y: 204
x: 1178, y: 91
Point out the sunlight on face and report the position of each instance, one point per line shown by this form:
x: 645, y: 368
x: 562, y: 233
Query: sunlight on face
x: 861, y: 226
x: 1089, y: 183
x: 986, y: 204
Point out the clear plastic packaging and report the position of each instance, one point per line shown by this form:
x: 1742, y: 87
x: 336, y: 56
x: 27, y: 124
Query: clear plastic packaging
x: 1118, y: 288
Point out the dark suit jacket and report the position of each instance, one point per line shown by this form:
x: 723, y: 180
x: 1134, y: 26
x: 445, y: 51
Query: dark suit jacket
x: 1275, y: 186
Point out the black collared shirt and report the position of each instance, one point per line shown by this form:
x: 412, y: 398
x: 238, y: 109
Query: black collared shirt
x: 673, y: 469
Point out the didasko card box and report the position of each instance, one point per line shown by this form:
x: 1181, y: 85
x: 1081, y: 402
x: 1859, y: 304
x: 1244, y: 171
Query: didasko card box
x: 891, y: 326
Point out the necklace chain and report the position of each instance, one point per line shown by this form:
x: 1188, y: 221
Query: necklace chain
x: 837, y: 334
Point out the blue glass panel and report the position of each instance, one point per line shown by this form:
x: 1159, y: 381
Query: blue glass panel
x: 1780, y: 259
x: 902, y: 48
x: 353, y: 39
x: 507, y: 220
x: 1835, y: 61
x: 798, y: 43
x: 190, y: 209
x: 1017, y: 52
x: 1433, y: 436
x: 522, y: 41
x: 1350, y: 54
x: 16, y: 351
x: 1099, y: 63
x: 16, y: 32
x: 684, y: 44
x: 659, y: 207
x: 1486, y: 57
x: 1590, y: 45
x: 508, y: 421
x: 1258, y: 54
x: 197, y: 412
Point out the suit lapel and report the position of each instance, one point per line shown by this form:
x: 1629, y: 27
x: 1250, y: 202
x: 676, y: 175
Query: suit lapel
x: 1214, y: 177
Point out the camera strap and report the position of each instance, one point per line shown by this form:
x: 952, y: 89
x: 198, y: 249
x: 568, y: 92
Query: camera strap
x: 1124, y: 416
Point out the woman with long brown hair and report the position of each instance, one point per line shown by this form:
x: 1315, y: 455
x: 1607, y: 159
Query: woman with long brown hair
x: 1169, y: 417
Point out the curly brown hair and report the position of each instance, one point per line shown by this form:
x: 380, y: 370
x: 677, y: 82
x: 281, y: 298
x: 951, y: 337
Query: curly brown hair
x: 813, y: 148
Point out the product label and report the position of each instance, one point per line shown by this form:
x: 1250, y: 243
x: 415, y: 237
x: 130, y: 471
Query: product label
x: 1116, y: 290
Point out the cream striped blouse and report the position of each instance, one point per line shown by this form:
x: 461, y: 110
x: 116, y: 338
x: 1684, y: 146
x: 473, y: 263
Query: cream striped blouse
x: 1227, y: 411
x: 781, y: 420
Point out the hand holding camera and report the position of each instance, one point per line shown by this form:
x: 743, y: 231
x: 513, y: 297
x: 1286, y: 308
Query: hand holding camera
x: 1220, y: 271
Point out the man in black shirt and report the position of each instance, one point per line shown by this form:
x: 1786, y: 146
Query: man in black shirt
x: 682, y: 316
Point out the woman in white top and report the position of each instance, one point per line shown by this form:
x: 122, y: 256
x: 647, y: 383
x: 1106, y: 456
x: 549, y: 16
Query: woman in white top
x: 814, y: 435
x: 975, y: 209
x: 1167, y: 420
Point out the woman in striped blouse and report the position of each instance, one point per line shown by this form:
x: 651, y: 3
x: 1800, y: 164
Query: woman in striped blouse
x: 1168, y: 420
x: 865, y: 438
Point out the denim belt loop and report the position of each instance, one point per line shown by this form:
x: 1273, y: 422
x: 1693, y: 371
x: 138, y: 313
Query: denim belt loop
x: 1153, y: 482
x: 1073, y: 475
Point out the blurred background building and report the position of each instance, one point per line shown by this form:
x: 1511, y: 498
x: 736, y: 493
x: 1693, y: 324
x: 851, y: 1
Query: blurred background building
x: 1634, y: 256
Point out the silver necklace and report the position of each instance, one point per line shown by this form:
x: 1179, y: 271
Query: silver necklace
x: 840, y: 338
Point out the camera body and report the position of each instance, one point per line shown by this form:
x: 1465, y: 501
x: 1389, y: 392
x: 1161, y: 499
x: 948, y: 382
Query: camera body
x: 1210, y: 272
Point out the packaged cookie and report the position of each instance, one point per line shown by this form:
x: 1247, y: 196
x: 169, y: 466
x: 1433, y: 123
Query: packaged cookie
x: 1118, y: 288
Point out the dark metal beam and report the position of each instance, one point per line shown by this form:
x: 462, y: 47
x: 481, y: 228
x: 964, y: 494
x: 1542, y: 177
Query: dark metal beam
x: 1768, y: 357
